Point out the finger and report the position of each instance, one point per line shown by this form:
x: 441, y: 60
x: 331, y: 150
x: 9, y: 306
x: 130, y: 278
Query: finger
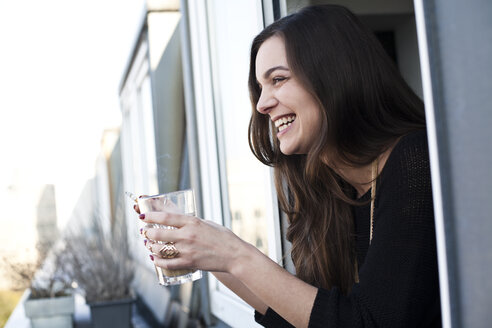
x: 144, y: 232
x: 149, y: 245
x: 136, y: 207
x: 177, y: 263
x: 165, y: 250
x: 154, y: 248
x: 165, y: 235
x: 167, y: 218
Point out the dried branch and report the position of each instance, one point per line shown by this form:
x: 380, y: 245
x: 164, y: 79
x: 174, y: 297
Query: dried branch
x: 100, y: 263
x: 44, y: 275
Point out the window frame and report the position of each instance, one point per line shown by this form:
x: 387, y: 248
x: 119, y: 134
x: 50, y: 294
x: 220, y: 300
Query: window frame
x: 139, y: 164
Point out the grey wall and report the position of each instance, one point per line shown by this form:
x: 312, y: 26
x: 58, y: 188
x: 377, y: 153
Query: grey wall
x: 459, y: 37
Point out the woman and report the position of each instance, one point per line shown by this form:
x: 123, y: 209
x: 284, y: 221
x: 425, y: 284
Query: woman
x: 346, y: 135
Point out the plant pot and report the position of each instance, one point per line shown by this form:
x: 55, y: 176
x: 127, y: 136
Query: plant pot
x: 116, y: 313
x: 56, y: 312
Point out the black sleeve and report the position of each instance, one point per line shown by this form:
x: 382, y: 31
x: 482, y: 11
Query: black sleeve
x: 399, y: 284
x: 271, y: 319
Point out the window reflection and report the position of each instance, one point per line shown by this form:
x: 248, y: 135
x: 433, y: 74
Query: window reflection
x: 247, y: 198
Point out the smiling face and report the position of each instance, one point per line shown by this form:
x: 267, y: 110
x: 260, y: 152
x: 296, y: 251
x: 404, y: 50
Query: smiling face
x: 294, y: 111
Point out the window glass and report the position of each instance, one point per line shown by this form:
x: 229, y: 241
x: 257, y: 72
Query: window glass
x: 245, y: 181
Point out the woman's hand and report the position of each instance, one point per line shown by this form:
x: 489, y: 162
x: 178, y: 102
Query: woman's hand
x: 201, y: 244
x: 249, y: 273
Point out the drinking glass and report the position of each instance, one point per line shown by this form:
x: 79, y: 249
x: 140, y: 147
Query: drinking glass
x: 180, y: 202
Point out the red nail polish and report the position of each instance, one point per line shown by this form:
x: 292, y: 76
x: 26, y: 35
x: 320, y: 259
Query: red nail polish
x: 141, y: 230
x: 145, y: 242
x: 135, y: 206
x: 151, y: 257
x: 142, y: 216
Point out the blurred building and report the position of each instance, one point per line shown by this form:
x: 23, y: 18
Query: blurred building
x: 29, y: 215
x: 46, y: 224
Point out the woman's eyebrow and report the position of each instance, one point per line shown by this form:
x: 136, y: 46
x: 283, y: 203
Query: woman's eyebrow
x: 271, y: 70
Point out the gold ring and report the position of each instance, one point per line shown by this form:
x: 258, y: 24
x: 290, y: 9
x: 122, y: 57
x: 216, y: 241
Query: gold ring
x: 145, y: 235
x: 168, y: 251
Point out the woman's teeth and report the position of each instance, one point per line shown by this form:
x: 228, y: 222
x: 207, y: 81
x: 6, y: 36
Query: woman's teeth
x: 284, y: 122
x: 283, y: 127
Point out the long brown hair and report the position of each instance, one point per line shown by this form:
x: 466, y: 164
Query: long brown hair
x: 365, y: 106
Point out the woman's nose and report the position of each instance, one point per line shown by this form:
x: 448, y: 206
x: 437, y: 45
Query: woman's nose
x: 266, y: 102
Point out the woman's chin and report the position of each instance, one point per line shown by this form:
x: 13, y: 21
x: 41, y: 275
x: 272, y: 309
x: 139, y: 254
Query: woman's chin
x: 286, y: 150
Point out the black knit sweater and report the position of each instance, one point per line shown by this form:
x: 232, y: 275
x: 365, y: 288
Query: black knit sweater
x: 399, y: 284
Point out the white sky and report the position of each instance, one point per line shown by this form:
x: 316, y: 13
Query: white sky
x: 61, y: 62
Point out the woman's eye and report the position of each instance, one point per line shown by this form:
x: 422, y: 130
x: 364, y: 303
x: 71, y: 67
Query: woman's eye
x: 278, y: 79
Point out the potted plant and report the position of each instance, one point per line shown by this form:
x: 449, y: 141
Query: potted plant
x: 101, y: 266
x: 50, y: 300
